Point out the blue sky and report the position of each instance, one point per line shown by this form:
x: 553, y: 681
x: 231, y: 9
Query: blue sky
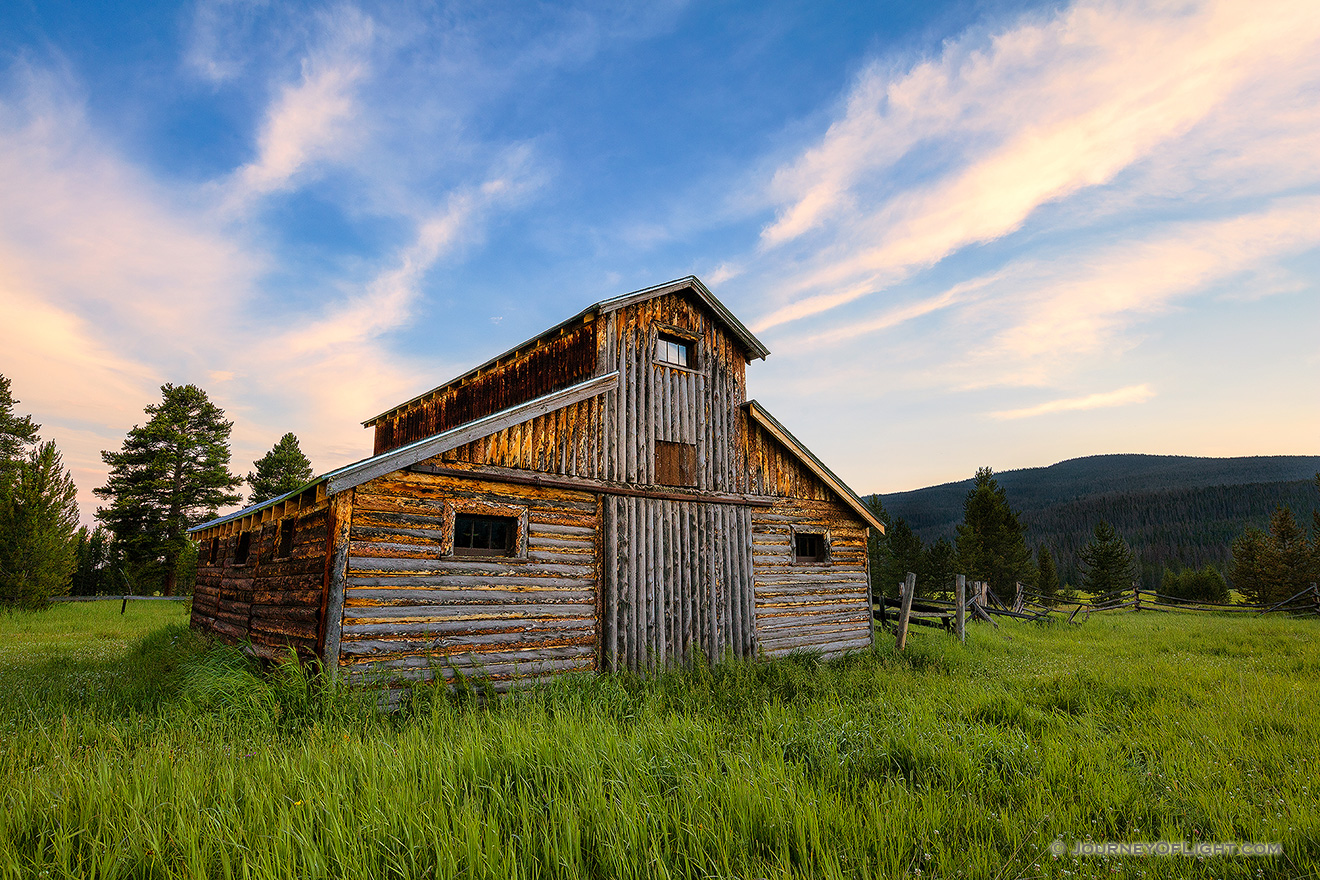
x: 971, y: 234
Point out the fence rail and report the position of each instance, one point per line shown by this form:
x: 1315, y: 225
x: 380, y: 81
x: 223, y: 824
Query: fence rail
x: 982, y: 604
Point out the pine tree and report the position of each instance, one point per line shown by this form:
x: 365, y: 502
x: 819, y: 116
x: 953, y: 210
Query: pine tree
x: 38, y: 517
x: 1246, y: 570
x: 170, y: 474
x: 991, y: 546
x: 17, y: 434
x: 939, y: 567
x: 1047, y: 576
x: 877, y: 547
x: 279, y: 471
x: 1110, y: 566
x: 905, y: 555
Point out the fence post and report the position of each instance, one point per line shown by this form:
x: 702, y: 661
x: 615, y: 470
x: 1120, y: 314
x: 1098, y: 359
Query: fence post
x: 960, y: 606
x: 124, y: 607
x: 1018, y: 598
x: 909, y: 587
x: 1136, y: 591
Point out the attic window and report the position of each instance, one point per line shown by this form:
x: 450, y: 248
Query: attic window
x: 485, y: 535
x: 810, y: 547
x: 670, y: 349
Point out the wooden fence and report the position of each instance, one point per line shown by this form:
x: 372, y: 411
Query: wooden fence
x: 975, y: 599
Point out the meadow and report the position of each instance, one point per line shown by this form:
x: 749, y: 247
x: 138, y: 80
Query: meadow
x: 132, y: 747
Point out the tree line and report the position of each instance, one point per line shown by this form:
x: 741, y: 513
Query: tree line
x: 170, y: 473
x: 990, y: 544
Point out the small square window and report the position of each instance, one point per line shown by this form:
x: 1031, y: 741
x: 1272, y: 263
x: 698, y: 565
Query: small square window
x: 243, y: 548
x: 673, y: 350
x: 809, y: 547
x: 485, y: 535
x: 286, y: 539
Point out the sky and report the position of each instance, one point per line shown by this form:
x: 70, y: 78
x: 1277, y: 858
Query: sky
x: 971, y: 233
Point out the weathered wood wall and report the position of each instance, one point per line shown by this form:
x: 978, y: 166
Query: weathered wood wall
x: 677, y: 577
x: 413, y: 610
x: 657, y: 401
x: 274, y: 603
x: 548, y: 365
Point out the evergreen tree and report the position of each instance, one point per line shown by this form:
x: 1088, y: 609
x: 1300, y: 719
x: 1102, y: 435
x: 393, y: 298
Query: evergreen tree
x: 97, y: 564
x: 939, y: 567
x: 17, y: 434
x: 877, y: 546
x: 905, y: 555
x: 1193, y: 585
x: 38, y: 517
x: 1271, y: 567
x: 170, y: 474
x: 991, y: 546
x: 1047, y: 576
x: 279, y: 471
x: 1108, y: 562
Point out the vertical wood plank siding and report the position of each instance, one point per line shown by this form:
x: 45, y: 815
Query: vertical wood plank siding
x: 677, y: 582
x: 273, y: 603
x: 411, y: 612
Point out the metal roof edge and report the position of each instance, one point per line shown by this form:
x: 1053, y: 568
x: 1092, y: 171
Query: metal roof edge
x: 818, y: 467
x: 346, y: 477
x: 246, y: 511
x: 369, y: 468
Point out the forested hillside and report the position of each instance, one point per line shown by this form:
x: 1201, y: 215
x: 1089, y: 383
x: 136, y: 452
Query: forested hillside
x: 1174, y: 511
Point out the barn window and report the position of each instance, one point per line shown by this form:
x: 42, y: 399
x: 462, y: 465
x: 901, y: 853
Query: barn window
x: 286, y: 539
x: 485, y: 535
x: 244, y: 546
x: 810, y: 547
x: 670, y: 349
x: 675, y: 463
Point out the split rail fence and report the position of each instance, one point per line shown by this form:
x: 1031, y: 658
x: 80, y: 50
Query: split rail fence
x: 975, y: 599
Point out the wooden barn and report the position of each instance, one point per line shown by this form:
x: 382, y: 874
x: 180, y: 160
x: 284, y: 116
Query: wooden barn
x: 601, y: 497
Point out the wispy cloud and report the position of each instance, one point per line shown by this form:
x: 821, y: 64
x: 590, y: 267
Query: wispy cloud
x: 1120, y: 397
x: 964, y: 148
x: 314, y: 118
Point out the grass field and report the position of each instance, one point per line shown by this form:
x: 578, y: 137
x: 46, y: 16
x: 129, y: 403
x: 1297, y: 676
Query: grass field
x: 129, y: 747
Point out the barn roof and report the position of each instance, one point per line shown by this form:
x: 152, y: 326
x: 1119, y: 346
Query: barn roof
x: 359, y: 472
x: 763, y: 418
x: 691, y: 284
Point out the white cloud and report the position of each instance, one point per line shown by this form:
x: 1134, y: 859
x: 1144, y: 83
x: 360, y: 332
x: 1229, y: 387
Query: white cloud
x: 997, y: 127
x: 317, y: 118
x: 1119, y: 397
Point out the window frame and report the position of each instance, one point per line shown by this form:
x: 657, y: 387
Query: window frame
x: 680, y: 336
x: 470, y: 507
x: 826, y: 555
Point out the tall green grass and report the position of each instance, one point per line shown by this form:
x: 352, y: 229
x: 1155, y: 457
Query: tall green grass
x: 178, y: 758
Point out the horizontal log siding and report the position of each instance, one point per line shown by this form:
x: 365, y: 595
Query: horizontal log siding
x: 411, y: 612
x: 677, y: 580
x: 819, y: 607
x: 272, y: 603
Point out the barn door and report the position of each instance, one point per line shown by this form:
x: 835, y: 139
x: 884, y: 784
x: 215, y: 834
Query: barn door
x: 677, y: 577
